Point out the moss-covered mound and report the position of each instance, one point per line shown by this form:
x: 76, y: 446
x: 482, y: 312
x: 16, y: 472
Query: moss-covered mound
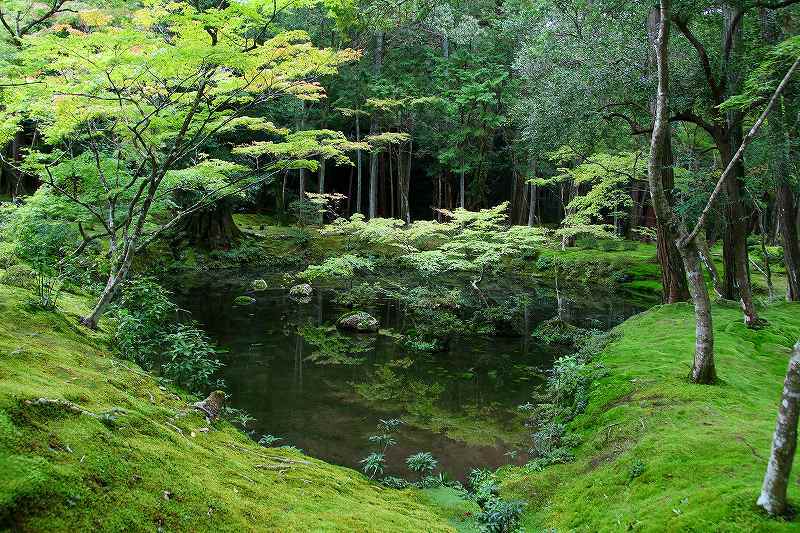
x: 117, y: 452
x: 660, y: 454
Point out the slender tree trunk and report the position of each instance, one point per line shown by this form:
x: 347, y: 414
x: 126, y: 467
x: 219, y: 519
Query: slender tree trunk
x: 673, y: 274
x: 786, y: 208
x: 359, y: 180
x: 113, y: 284
x: 737, y: 264
x: 708, y: 261
x: 322, y: 164
x: 461, y: 190
x: 703, y: 370
x: 404, y: 183
x: 784, y: 442
x: 374, y: 129
x: 789, y: 217
x: 391, y: 184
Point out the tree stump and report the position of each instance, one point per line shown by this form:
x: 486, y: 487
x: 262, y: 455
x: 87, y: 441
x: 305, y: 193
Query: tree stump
x: 212, y: 406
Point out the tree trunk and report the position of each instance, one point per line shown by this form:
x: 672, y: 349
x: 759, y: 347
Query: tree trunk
x: 789, y: 217
x: 673, y: 274
x: 703, y: 368
x: 786, y: 206
x: 404, y: 183
x: 784, y: 442
x: 461, y: 190
x: 359, y: 180
x: 374, y: 129
x: 734, y: 244
x: 708, y: 261
x: 115, y: 279
x: 212, y: 228
x: 322, y: 164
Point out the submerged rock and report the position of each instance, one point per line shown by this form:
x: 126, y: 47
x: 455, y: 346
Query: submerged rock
x: 244, y: 300
x: 358, y: 321
x: 259, y: 285
x: 303, y: 290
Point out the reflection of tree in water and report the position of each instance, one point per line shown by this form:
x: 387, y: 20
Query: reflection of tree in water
x: 332, y: 347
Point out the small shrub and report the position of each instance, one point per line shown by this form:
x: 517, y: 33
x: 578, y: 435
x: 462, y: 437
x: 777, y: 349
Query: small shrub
x: 149, y: 333
x: 395, y: 482
x: 374, y: 464
x: 268, y: 440
x: 637, y: 469
x: 191, y: 358
x: 423, y: 463
x: 501, y: 516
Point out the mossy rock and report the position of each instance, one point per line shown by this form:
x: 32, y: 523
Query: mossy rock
x: 20, y: 275
x: 244, y: 300
x: 259, y: 285
x: 358, y: 321
x: 304, y: 290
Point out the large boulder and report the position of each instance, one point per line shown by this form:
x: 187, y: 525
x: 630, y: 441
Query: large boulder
x: 358, y: 321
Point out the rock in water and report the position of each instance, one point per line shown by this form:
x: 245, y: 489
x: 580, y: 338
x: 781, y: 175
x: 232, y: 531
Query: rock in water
x: 212, y: 406
x: 358, y: 321
x: 244, y: 300
x: 259, y: 285
x: 301, y: 291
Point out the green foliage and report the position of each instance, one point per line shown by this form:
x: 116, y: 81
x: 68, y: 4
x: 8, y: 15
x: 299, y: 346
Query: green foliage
x: 497, y: 515
x: 191, y: 359
x: 374, y: 464
x: 268, y: 440
x: 334, y: 348
x: 338, y: 268
x: 144, y: 309
x: 148, y: 332
x: 422, y: 463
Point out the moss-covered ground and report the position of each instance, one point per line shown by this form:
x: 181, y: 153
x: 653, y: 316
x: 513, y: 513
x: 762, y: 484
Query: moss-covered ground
x: 660, y: 454
x: 140, y: 459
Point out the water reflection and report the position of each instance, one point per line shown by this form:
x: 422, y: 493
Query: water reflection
x: 324, y: 391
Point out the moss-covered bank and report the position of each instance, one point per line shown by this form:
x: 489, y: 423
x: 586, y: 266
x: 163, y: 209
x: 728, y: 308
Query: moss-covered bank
x: 141, y: 459
x: 660, y: 454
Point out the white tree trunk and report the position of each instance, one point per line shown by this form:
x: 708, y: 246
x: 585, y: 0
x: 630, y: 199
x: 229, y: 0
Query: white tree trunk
x: 784, y: 442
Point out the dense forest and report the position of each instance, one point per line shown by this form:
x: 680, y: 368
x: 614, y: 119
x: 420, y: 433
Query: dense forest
x: 399, y: 265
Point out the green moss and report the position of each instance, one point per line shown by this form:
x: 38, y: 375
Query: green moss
x: 660, y: 454
x: 460, y: 512
x: 131, y: 469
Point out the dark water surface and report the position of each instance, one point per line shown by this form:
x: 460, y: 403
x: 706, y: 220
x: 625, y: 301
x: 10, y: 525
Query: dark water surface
x: 324, y: 392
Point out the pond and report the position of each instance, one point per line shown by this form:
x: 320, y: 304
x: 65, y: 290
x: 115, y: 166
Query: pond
x: 325, y: 392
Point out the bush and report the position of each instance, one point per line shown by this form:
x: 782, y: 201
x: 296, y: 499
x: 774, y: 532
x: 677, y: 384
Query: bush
x: 20, y: 275
x: 422, y: 463
x: 191, y: 358
x: 8, y: 255
x: 497, y: 515
x: 148, y: 332
x: 501, y: 516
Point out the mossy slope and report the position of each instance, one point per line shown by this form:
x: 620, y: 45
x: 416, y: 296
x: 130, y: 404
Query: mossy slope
x: 660, y: 454
x: 151, y: 466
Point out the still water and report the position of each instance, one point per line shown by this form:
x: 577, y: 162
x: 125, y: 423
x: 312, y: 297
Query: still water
x: 325, y: 391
